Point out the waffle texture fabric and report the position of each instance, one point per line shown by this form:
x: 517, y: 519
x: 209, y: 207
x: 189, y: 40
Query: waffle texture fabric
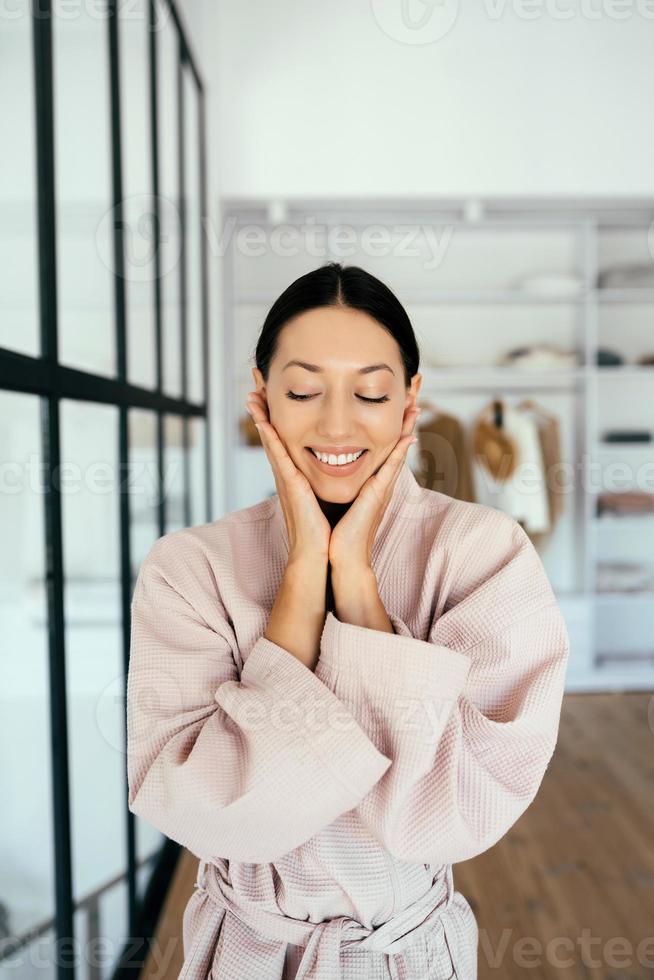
x: 327, y: 807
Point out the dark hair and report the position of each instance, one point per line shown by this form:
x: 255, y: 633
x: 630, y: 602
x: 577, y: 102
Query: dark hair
x: 335, y: 285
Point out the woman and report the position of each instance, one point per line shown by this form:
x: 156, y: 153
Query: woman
x: 339, y: 692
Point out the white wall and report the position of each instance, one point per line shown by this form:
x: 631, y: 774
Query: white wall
x: 544, y: 97
x: 510, y: 97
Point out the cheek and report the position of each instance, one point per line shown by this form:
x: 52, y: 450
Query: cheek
x: 383, y: 429
x: 289, y: 424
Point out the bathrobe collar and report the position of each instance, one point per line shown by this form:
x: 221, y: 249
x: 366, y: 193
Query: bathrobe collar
x: 405, y: 499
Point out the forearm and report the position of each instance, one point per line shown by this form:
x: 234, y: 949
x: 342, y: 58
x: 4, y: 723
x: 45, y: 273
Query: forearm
x: 357, y: 601
x: 298, y: 614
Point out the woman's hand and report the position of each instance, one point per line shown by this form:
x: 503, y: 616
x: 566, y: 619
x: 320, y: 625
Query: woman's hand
x: 351, y: 541
x: 308, y: 528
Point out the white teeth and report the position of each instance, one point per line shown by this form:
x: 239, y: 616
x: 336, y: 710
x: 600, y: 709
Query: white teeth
x: 337, y: 460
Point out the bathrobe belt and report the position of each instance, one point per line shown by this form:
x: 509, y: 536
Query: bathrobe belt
x: 324, y: 941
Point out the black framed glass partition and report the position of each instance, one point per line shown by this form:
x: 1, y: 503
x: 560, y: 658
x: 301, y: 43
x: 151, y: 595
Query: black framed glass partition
x: 104, y: 446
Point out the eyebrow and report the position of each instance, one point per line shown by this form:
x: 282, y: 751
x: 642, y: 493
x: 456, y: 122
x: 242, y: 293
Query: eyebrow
x: 318, y: 370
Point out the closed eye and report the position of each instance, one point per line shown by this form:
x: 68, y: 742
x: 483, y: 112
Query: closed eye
x: 302, y: 398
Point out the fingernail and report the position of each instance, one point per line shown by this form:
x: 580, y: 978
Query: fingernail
x: 415, y: 439
x: 257, y: 425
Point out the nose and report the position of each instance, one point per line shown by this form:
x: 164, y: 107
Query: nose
x: 335, y: 422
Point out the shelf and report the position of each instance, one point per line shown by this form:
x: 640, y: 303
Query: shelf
x: 628, y: 661
x: 496, y: 376
x: 623, y: 520
x: 643, y: 596
x: 504, y: 377
x: 633, y: 294
x: 631, y: 446
x: 511, y: 305
x: 624, y: 370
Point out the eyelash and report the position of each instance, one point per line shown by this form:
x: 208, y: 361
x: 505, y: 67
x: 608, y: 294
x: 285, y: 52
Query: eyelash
x: 302, y: 398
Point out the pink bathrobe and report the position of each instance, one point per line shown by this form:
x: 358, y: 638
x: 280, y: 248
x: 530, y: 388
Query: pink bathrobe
x: 328, y: 807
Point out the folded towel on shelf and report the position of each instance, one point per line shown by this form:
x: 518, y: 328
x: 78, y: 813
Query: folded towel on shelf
x: 625, y: 502
x: 627, y: 435
x: 607, y: 357
x: 550, y: 284
x: 624, y: 576
x: 627, y: 275
x: 539, y: 356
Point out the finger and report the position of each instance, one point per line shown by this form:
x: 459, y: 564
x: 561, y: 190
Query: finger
x: 258, y: 410
x: 411, y: 421
x: 279, y: 459
x: 388, y: 473
x: 257, y: 407
x: 284, y: 469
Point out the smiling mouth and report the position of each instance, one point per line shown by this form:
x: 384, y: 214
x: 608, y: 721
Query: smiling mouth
x: 334, y: 464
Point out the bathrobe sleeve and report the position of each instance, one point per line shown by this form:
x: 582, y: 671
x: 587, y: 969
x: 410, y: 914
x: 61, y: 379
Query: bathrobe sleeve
x: 241, y: 767
x: 470, y: 715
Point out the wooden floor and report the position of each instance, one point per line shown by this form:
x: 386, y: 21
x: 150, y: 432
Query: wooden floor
x: 568, y: 893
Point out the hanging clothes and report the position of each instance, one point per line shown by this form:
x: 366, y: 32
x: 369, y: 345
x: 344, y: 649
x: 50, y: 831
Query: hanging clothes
x: 523, y: 495
x: 549, y: 433
x: 445, y: 454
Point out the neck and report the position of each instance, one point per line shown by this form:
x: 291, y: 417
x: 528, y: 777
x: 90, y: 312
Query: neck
x: 333, y: 511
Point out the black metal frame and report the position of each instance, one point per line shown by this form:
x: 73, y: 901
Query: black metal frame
x: 44, y: 376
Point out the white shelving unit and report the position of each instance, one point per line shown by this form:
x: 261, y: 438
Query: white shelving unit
x: 461, y: 268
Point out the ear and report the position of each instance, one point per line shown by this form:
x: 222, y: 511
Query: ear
x: 412, y: 393
x: 259, y: 382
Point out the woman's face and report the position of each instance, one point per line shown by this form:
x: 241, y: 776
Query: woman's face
x: 339, y: 345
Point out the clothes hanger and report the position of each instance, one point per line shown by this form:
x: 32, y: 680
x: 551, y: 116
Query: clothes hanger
x: 498, y: 411
x: 530, y: 405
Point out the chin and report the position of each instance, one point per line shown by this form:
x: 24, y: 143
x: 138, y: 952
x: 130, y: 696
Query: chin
x: 335, y: 491
x: 333, y: 496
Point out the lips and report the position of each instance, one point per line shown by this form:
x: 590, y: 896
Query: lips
x: 333, y: 452
x: 336, y: 452
x: 335, y: 470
